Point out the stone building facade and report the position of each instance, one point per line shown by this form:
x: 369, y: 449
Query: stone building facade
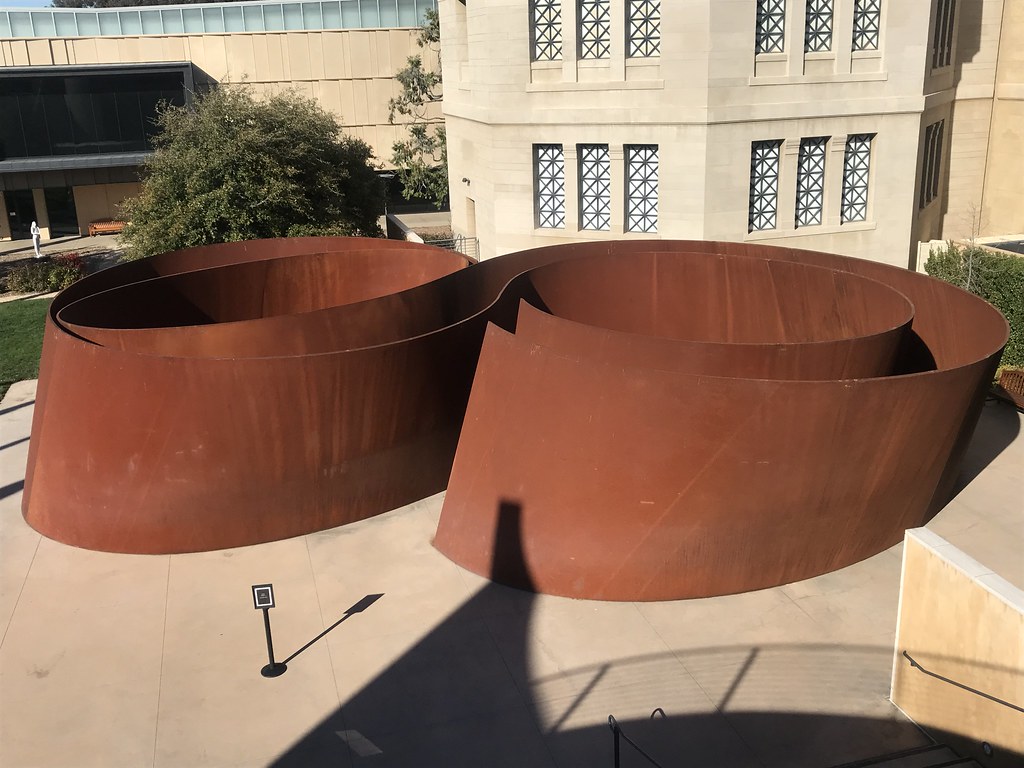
x: 854, y: 126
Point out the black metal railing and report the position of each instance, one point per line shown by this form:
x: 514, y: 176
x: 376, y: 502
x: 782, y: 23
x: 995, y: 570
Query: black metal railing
x: 916, y: 665
x: 467, y: 246
x: 619, y: 737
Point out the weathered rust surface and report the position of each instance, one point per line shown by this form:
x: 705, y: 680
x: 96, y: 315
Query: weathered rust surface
x: 673, y: 419
x: 660, y: 453
x: 158, y: 437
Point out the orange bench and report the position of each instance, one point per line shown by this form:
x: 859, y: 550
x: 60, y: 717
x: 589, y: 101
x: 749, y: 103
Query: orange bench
x: 105, y: 227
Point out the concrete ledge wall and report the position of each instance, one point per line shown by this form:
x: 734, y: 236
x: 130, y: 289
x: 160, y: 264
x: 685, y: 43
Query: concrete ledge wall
x: 960, y: 620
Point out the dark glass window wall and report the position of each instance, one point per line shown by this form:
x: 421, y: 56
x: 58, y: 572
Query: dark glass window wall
x: 83, y: 114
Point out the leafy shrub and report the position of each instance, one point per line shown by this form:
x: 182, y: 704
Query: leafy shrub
x: 28, y: 278
x: 54, y: 274
x: 996, y: 277
x: 321, y: 230
x: 231, y: 167
x: 64, y: 270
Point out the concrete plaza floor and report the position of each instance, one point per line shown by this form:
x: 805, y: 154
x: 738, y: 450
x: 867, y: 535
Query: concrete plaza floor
x: 117, y: 660
x: 13, y: 250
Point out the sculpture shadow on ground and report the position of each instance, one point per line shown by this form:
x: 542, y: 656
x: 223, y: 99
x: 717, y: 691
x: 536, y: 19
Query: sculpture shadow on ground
x: 9, y: 409
x: 358, y: 607
x: 998, y: 427
x: 469, y: 694
x: 11, y: 489
x: 13, y: 443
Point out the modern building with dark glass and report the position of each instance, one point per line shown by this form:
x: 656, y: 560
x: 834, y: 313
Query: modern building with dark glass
x: 67, y: 129
x: 80, y: 88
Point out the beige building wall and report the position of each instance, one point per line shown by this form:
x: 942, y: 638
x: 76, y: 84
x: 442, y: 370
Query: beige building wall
x: 707, y: 96
x: 101, y: 201
x: 985, y: 93
x: 959, y: 620
x: 1004, y: 177
x: 42, y: 217
x: 890, y: 185
x: 350, y: 72
x: 933, y: 218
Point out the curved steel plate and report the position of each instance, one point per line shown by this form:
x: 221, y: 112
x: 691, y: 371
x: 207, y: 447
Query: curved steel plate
x: 673, y: 418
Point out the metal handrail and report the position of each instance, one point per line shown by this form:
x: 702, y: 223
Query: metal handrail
x: 617, y: 733
x: 467, y: 246
x: 916, y: 665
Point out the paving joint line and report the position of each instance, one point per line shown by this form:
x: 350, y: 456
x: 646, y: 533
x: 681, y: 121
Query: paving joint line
x: 160, y: 675
x: 24, y: 581
x: 323, y: 622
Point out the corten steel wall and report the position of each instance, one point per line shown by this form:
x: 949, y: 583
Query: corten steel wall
x: 642, y: 478
x: 673, y: 419
x: 236, y: 429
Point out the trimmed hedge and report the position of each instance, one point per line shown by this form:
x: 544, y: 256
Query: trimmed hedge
x: 998, y: 278
x: 47, y: 275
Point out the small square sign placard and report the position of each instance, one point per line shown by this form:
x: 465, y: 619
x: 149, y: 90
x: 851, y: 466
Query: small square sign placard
x: 263, y: 596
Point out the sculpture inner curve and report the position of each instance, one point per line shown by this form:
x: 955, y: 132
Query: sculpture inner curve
x: 674, y: 418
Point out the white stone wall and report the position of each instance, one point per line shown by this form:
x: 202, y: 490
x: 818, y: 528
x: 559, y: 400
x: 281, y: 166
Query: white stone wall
x: 703, y: 101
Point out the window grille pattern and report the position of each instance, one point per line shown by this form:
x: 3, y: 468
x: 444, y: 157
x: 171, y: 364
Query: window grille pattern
x: 214, y: 17
x: 642, y: 188
x: 818, y: 26
x: 856, y: 164
x: 595, y: 186
x: 942, y: 40
x: 549, y: 170
x: 810, y: 181
x: 771, y: 26
x: 764, y: 184
x: 547, y: 30
x: 932, y: 164
x: 644, y: 28
x: 595, y: 29
x: 867, y: 21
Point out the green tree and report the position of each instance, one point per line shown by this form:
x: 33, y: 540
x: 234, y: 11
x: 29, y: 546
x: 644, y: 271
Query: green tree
x: 421, y: 160
x: 231, y: 167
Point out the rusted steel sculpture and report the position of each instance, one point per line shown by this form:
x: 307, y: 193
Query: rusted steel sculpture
x: 673, y: 419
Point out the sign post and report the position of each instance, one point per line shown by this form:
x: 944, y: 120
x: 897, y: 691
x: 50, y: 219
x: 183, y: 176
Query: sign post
x: 263, y: 599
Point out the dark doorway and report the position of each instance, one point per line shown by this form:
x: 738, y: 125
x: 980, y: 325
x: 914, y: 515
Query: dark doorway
x: 60, y: 206
x: 21, y: 212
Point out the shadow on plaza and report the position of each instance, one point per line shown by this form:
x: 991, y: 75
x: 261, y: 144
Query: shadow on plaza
x: 998, y: 426
x: 465, y: 696
x: 11, y: 489
x: 8, y: 409
x: 358, y: 607
x: 13, y: 443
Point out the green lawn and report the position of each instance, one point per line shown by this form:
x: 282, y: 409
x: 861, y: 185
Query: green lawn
x: 21, y: 340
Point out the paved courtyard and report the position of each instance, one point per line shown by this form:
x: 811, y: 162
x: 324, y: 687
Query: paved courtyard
x: 116, y: 660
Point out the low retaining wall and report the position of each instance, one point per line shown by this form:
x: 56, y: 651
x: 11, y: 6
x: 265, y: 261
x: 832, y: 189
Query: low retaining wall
x: 959, y: 661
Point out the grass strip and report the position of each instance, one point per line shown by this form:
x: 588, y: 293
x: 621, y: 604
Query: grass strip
x: 21, y: 340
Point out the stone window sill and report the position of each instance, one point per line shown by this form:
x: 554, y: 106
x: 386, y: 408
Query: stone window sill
x: 821, y: 229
